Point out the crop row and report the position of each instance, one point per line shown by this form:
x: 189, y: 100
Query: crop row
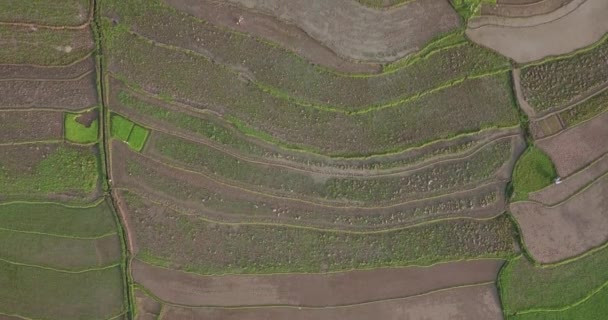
x: 185, y: 242
x: 39, y: 169
x: 199, y: 195
x: 470, y: 106
x: 284, y: 73
x: 526, y: 286
x: 222, y: 135
x: 24, y: 45
x: 444, y: 177
x: 585, y: 110
x: 555, y: 84
x: 56, y: 13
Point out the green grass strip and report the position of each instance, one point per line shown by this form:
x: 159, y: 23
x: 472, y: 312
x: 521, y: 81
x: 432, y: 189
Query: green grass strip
x: 533, y: 171
x: 77, y: 132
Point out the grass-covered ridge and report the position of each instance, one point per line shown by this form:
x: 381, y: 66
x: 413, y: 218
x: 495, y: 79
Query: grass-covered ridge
x: 533, y: 171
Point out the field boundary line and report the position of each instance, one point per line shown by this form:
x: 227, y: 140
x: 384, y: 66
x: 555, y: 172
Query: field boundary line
x: 304, y: 149
x: 304, y: 307
x: 588, y: 296
x: 567, y: 129
x: 279, y: 94
x: 43, y: 66
x: 52, y: 27
x: 77, y: 78
x: 87, y: 206
x: 316, y: 229
x: 58, y: 269
x: 105, y: 235
x: 46, y: 109
x: 18, y: 316
x: 315, y: 202
x: 596, y: 92
x: 568, y: 55
x: 21, y: 143
x: 570, y: 197
x: 405, y: 169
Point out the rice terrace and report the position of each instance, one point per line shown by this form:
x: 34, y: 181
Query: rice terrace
x: 303, y: 159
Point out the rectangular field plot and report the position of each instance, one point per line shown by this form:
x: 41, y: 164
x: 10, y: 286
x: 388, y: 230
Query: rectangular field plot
x: 45, y: 170
x: 27, y: 126
x: 38, y: 293
x: 586, y: 110
x: 24, y: 45
x: 473, y: 302
x: 128, y: 132
x: 56, y: 12
x: 175, y: 239
x: 56, y: 219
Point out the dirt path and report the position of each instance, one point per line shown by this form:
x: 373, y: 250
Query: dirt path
x: 352, y: 30
x: 530, y: 39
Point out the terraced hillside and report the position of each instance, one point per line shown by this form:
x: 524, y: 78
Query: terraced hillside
x: 250, y: 159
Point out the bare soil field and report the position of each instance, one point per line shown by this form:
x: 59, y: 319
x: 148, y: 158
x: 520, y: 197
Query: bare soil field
x: 569, y: 229
x: 524, y: 9
x: 546, y: 126
x: 30, y: 72
x: 403, y: 30
x: 268, y: 27
x: 201, y: 195
x: 22, y: 126
x: 146, y: 308
x: 559, y: 192
x: 74, y: 94
x: 529, y: 39
x: 575, y: 148
x: 309, y: 290
x: 209, y: 130
x: 475, y: 302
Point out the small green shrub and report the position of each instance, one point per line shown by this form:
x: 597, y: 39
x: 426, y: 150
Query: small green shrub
x: 533, y: 171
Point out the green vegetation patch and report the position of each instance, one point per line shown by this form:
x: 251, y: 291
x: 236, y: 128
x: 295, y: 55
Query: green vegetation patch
x: 42, y: 169
x: 138, y: 137
x: 594, y: 308
x: 82, y: 127
x: 23, y: 45
x: 58, y: 219
x: 586, y: 110
x: 555, y: 84
x: 44, y: 294
x: 525, y: 286
x: 128, y: 132
x: 381, y: 3
x: 186, y: 242
x: 533, y: 171
x: 56, y: 12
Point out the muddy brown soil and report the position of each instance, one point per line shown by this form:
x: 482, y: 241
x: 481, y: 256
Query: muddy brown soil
x: 556, y: 233
x: 313, y: 290
x: 559, y: 192
x: 476, y: 302
x: 26, y: 126
x: 524, y: 9
x: 147, y: 308
x: 87, y: 118
x: 197, y: 194
x: 575, y: 148
x: 40, y: 72
x: 352, y: 30
x: 75, y: 94
x: 529, y: 39
x: 268, y: 27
